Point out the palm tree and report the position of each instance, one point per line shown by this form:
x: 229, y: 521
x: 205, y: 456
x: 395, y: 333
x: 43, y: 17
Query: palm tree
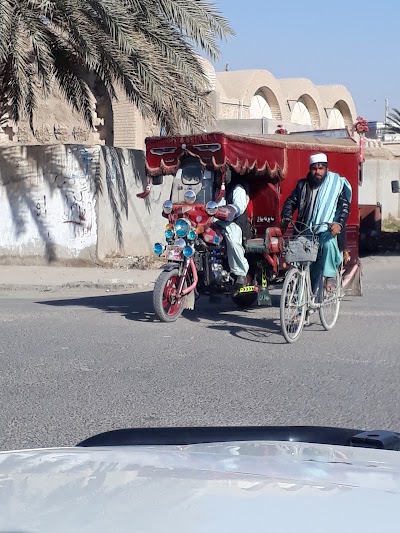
x: 393, y: 122
x: 147, y: 47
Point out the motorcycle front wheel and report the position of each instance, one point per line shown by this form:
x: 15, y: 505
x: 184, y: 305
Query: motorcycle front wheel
x: 167, y: 306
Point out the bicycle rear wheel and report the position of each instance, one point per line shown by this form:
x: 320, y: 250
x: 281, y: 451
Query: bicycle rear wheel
x: 293, y: 308
x: 329, y: 310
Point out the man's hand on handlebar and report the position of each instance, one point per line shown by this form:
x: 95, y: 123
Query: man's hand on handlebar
x: 335, y: 229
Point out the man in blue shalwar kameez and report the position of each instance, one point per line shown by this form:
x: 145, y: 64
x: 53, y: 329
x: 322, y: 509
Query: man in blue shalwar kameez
x: 323, y: 196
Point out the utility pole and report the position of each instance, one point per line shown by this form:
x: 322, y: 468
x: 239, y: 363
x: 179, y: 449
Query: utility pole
x: 386, y: 110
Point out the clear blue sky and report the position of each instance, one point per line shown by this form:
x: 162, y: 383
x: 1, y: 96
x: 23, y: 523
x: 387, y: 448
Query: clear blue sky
x: 351, y: 43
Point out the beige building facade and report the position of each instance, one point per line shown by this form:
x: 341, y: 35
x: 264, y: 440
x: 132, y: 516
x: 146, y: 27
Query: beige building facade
x: 296, y: 102
x: 255, y: 95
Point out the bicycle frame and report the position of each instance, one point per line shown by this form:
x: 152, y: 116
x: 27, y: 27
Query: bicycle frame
x: 305, y: 300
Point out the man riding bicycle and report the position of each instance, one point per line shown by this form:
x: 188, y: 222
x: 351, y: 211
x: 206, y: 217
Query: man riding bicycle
x: 323, y: 196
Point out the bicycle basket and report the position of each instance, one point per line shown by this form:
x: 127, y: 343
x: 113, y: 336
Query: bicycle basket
x: 301, y: 248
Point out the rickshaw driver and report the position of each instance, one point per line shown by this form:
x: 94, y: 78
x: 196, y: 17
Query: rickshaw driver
x: 323, y: 196
x: 237, y: 199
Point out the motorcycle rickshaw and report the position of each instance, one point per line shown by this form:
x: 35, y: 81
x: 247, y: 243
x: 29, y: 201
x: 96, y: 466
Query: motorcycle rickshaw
x: 201, y: 167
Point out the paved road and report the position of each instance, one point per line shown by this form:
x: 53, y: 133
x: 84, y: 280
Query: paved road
x: 76, y: 365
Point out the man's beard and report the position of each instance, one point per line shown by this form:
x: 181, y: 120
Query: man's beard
x: 316, y: 182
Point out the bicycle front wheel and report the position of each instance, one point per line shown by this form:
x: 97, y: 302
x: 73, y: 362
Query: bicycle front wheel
x: 293, y: 308
x: 329, y: 310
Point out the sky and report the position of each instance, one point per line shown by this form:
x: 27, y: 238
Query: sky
x: 352, y: 43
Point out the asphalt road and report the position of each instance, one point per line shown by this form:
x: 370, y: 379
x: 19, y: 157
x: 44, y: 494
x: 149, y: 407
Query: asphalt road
x: 73, y: 365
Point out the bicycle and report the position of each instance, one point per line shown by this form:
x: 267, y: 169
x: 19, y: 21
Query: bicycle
x: 297, y: 300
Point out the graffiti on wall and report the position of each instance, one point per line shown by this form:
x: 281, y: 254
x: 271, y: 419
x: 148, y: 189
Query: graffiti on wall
x: 53, y: 202
x: 77, y: 196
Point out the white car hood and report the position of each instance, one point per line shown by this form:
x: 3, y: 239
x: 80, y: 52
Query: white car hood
x: 222, y: 487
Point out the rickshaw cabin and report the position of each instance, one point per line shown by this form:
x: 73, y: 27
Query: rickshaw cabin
x: 272, y: 165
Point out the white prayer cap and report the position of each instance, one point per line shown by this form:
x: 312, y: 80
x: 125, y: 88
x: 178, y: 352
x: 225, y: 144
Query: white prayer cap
x: 318, y: 158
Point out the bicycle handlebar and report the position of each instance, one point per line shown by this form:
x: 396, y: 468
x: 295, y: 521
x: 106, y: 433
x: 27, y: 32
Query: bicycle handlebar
x: 311, y: 229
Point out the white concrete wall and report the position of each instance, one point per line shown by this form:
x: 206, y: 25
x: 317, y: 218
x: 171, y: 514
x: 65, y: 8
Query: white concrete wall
x: 127, y: 225
x: 376, y: 186
x: 48, y: 202
x: 76, y: 203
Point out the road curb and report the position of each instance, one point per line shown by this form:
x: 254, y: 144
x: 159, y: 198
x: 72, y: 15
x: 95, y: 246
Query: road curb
x: 115, y: 285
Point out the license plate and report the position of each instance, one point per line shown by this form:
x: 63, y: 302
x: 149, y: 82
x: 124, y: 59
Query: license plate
x: 264, y: 297
x: 172, y: 253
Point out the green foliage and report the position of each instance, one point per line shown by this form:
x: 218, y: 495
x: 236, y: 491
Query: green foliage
x: 147, y: 47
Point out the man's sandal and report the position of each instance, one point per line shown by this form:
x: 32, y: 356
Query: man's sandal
x: 330, y: 284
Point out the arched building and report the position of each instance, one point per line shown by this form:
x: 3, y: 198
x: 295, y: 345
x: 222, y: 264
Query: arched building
x: 295, y: 102
x: 252, y: 97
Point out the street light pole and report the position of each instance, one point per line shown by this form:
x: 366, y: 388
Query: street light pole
x: 386, y: 110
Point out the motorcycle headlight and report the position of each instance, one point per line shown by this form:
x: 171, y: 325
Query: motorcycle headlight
x: 190, y: 197
x: 180, y: 243
x: 182, y: 228
x: 158, y: 248
x: 192, y: 235
x: 167, y: 207
x: 211, y: 208
x: 188, y: 251
x: 169, y: 234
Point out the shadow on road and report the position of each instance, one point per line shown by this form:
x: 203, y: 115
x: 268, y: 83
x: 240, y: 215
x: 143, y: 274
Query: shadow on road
x: 246, y: 324
x: 222, y: 315
x: 134, y: 306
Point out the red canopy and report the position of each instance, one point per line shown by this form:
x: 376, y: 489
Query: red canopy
x: 261, y: 155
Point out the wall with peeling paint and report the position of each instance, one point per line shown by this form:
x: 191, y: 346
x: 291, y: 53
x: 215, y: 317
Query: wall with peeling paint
x: 48, y: 202
x: 75, y: 203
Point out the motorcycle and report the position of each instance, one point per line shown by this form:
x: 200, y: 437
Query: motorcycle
x: 196, y: 251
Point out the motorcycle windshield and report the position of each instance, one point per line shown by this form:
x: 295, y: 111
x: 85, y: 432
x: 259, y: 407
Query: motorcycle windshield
x: 202, y: 187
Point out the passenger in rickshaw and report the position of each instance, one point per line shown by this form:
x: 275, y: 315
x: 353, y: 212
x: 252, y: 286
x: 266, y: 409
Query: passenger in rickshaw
x: 323, y: 196
x: 238, y: 229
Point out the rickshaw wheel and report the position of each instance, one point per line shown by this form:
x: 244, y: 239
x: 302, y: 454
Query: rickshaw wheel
x: 168, y: 308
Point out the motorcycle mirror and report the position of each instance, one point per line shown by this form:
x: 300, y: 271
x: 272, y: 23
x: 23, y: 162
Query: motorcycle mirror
x: 396, y: 186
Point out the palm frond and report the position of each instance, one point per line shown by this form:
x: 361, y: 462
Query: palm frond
x: 198, y: 20
x: 147, y: 47
x: 393, y: 125
x: 7, y: 14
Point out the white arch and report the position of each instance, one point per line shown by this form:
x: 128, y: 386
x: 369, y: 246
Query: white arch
x: 336, y: 119
x: 301, y: 114
x: 344, y: 110
x: 245, y: 84
x: 259, y: 107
